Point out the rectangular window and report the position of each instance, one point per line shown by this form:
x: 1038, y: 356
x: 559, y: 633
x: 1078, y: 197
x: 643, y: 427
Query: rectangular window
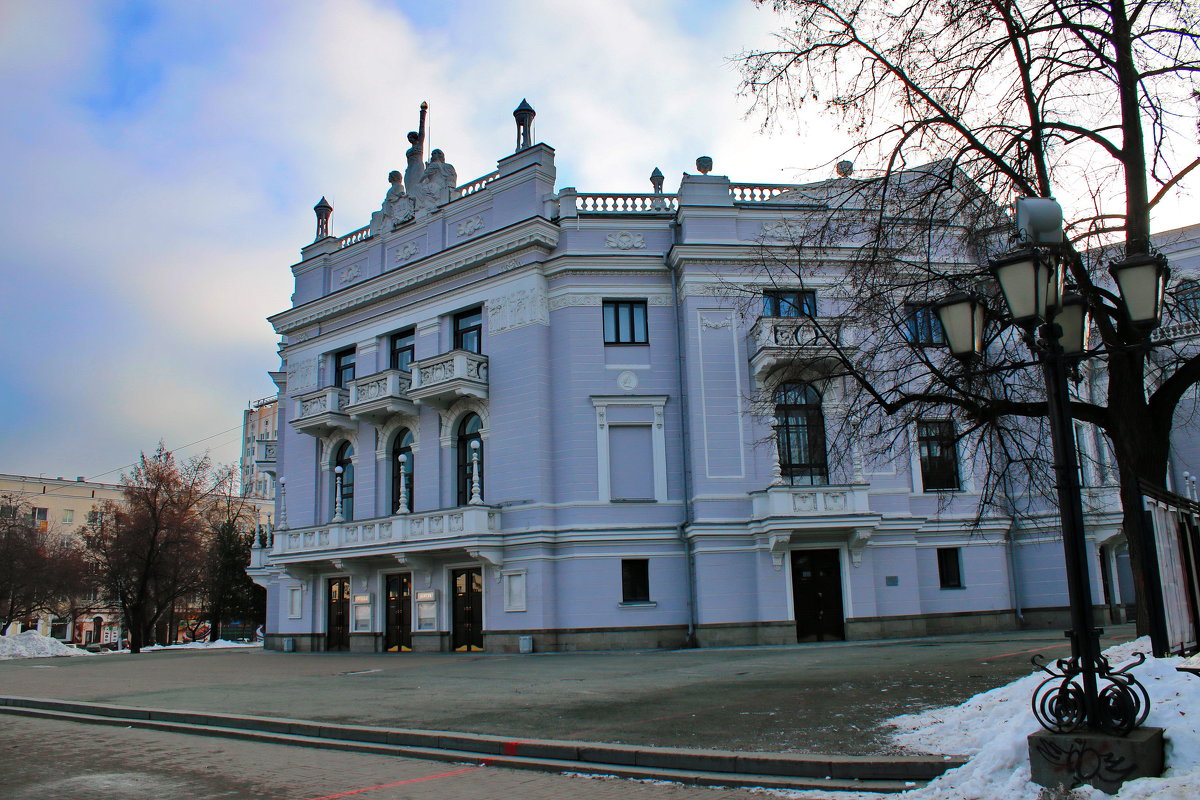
x: 922, y: 326
x: 635, y: 580
x: 68, y: 516
x: 939, y: 455
x: 514, y: 591
x: 295, y: 602
x: 468, y: 330
x: 401, y: 347
x: 343, y: 367
x: 625, y: 322
x: 8, y: 512
x: 631, y: 462
x: 1081, y: 457
x: 949, y: 567
x: 789, y: 303
x: 95, y: 517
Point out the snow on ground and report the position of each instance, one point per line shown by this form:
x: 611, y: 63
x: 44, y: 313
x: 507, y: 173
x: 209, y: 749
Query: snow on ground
x: 992, y: 728
x: 217, y: 645
x: 32, y: 644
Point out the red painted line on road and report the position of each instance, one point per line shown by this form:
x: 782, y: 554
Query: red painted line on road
x: 1046, y: 647
x: 398, y: 783
x: 1023, y: 652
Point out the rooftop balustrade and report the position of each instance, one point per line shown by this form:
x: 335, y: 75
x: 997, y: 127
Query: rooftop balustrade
x: 354, y: 237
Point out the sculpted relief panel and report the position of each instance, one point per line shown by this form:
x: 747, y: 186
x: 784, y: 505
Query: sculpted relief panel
x: 522, y: 307
x: 302, y: 374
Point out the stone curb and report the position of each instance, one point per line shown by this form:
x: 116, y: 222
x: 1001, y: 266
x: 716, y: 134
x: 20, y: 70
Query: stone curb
x: 704, y: 767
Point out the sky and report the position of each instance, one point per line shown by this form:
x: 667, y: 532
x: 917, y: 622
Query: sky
x: 162, y: 160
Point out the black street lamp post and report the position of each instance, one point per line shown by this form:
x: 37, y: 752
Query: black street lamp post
x: 1055, y: 325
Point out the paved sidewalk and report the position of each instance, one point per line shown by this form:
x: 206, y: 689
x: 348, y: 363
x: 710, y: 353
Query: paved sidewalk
x: 816, y: 698
x: 51, y: 760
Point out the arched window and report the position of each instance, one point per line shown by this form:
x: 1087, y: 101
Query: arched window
x: 468, y: 432
x: 800, y: 433
x: 402, y: 446
x: 345, y: 456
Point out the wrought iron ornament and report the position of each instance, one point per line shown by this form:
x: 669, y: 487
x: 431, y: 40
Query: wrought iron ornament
x: 1059, y: 704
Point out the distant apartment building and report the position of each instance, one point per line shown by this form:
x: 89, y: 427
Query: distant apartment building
x: 260, y: 431
x: 65, y: 506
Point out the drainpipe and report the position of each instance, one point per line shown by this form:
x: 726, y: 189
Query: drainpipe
x: 1010, y: 551
x: 686, y: 442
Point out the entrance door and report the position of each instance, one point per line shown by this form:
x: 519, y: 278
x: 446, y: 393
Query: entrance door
x: 468, y: 610
x: 817, y: 595
x: 337, y: 634
x: 397, y: 632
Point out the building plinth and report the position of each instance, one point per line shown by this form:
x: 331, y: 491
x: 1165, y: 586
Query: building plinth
x: 1097, y: 759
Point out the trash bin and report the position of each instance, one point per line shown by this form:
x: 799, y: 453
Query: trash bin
x: 289, y: 644
x: 525, y: 644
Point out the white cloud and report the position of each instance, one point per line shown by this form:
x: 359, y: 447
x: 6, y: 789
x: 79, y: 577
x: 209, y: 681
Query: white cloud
x: 150, y: 216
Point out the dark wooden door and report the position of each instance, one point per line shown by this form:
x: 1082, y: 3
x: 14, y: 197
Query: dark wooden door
x: 817, y: 595
x: 397, y: 633
x: 337, y: 633
x: 467, y: 634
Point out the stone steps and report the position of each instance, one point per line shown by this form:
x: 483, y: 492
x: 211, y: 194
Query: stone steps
x: 885, y: 774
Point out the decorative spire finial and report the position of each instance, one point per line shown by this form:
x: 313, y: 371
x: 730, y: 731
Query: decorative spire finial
x: 524, y: 115
x: 704, y: 164
x: 323, y: 211
x: 656, y: 180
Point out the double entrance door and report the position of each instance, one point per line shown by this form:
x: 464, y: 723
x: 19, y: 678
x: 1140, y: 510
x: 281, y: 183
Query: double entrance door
x: 467, y: 610
x: 817, y: 595
x: 337, y: 617
x: 397, y: 622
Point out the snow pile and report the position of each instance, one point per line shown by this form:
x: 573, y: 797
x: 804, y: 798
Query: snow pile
x: 219, y: 643
x: 992, y: 728
x: 32, y: 644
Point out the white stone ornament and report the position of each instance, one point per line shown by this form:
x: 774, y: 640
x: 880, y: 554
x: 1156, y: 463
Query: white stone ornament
x: 350, y: 274
x: 407, y: 251
x: 469, y: 226
x: 627, y: 380
x: 625, y: 240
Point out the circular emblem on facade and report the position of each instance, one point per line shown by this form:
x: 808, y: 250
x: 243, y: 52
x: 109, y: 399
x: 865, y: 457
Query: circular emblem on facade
x: 627, y: 380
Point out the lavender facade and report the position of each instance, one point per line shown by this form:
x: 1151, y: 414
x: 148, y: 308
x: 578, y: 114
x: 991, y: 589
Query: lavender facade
x: 518, y: 416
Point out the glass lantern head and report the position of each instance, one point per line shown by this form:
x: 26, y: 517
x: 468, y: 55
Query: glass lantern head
x: 1025, y: 279
x: 1074, y: 321
x: 962, y: 317
x: 1142, y: 281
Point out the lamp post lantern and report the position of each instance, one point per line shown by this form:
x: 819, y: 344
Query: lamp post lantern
x: 1054, y: 324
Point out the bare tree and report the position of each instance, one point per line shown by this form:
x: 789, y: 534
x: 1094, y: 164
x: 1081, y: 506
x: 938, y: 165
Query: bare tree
x: 1085, y: 100
x: 39, y: 567
x: 150, y: 549
x: 228, y: 593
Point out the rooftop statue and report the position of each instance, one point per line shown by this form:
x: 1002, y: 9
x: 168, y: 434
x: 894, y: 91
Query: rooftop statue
x: 437, y: 184
x: 397, y: 207
x: 415, y: 155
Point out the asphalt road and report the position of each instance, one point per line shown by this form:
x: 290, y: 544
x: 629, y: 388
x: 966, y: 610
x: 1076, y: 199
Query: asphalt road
x: 819, y: 698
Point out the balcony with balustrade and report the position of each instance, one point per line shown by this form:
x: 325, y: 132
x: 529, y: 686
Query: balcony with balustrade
x: 442, y: 380
x: 791, y: 515
x: 376, y: 398
x: 323, y: 412
x: 449, y: 531
x: 780, y: 341
x: 264, y: 455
